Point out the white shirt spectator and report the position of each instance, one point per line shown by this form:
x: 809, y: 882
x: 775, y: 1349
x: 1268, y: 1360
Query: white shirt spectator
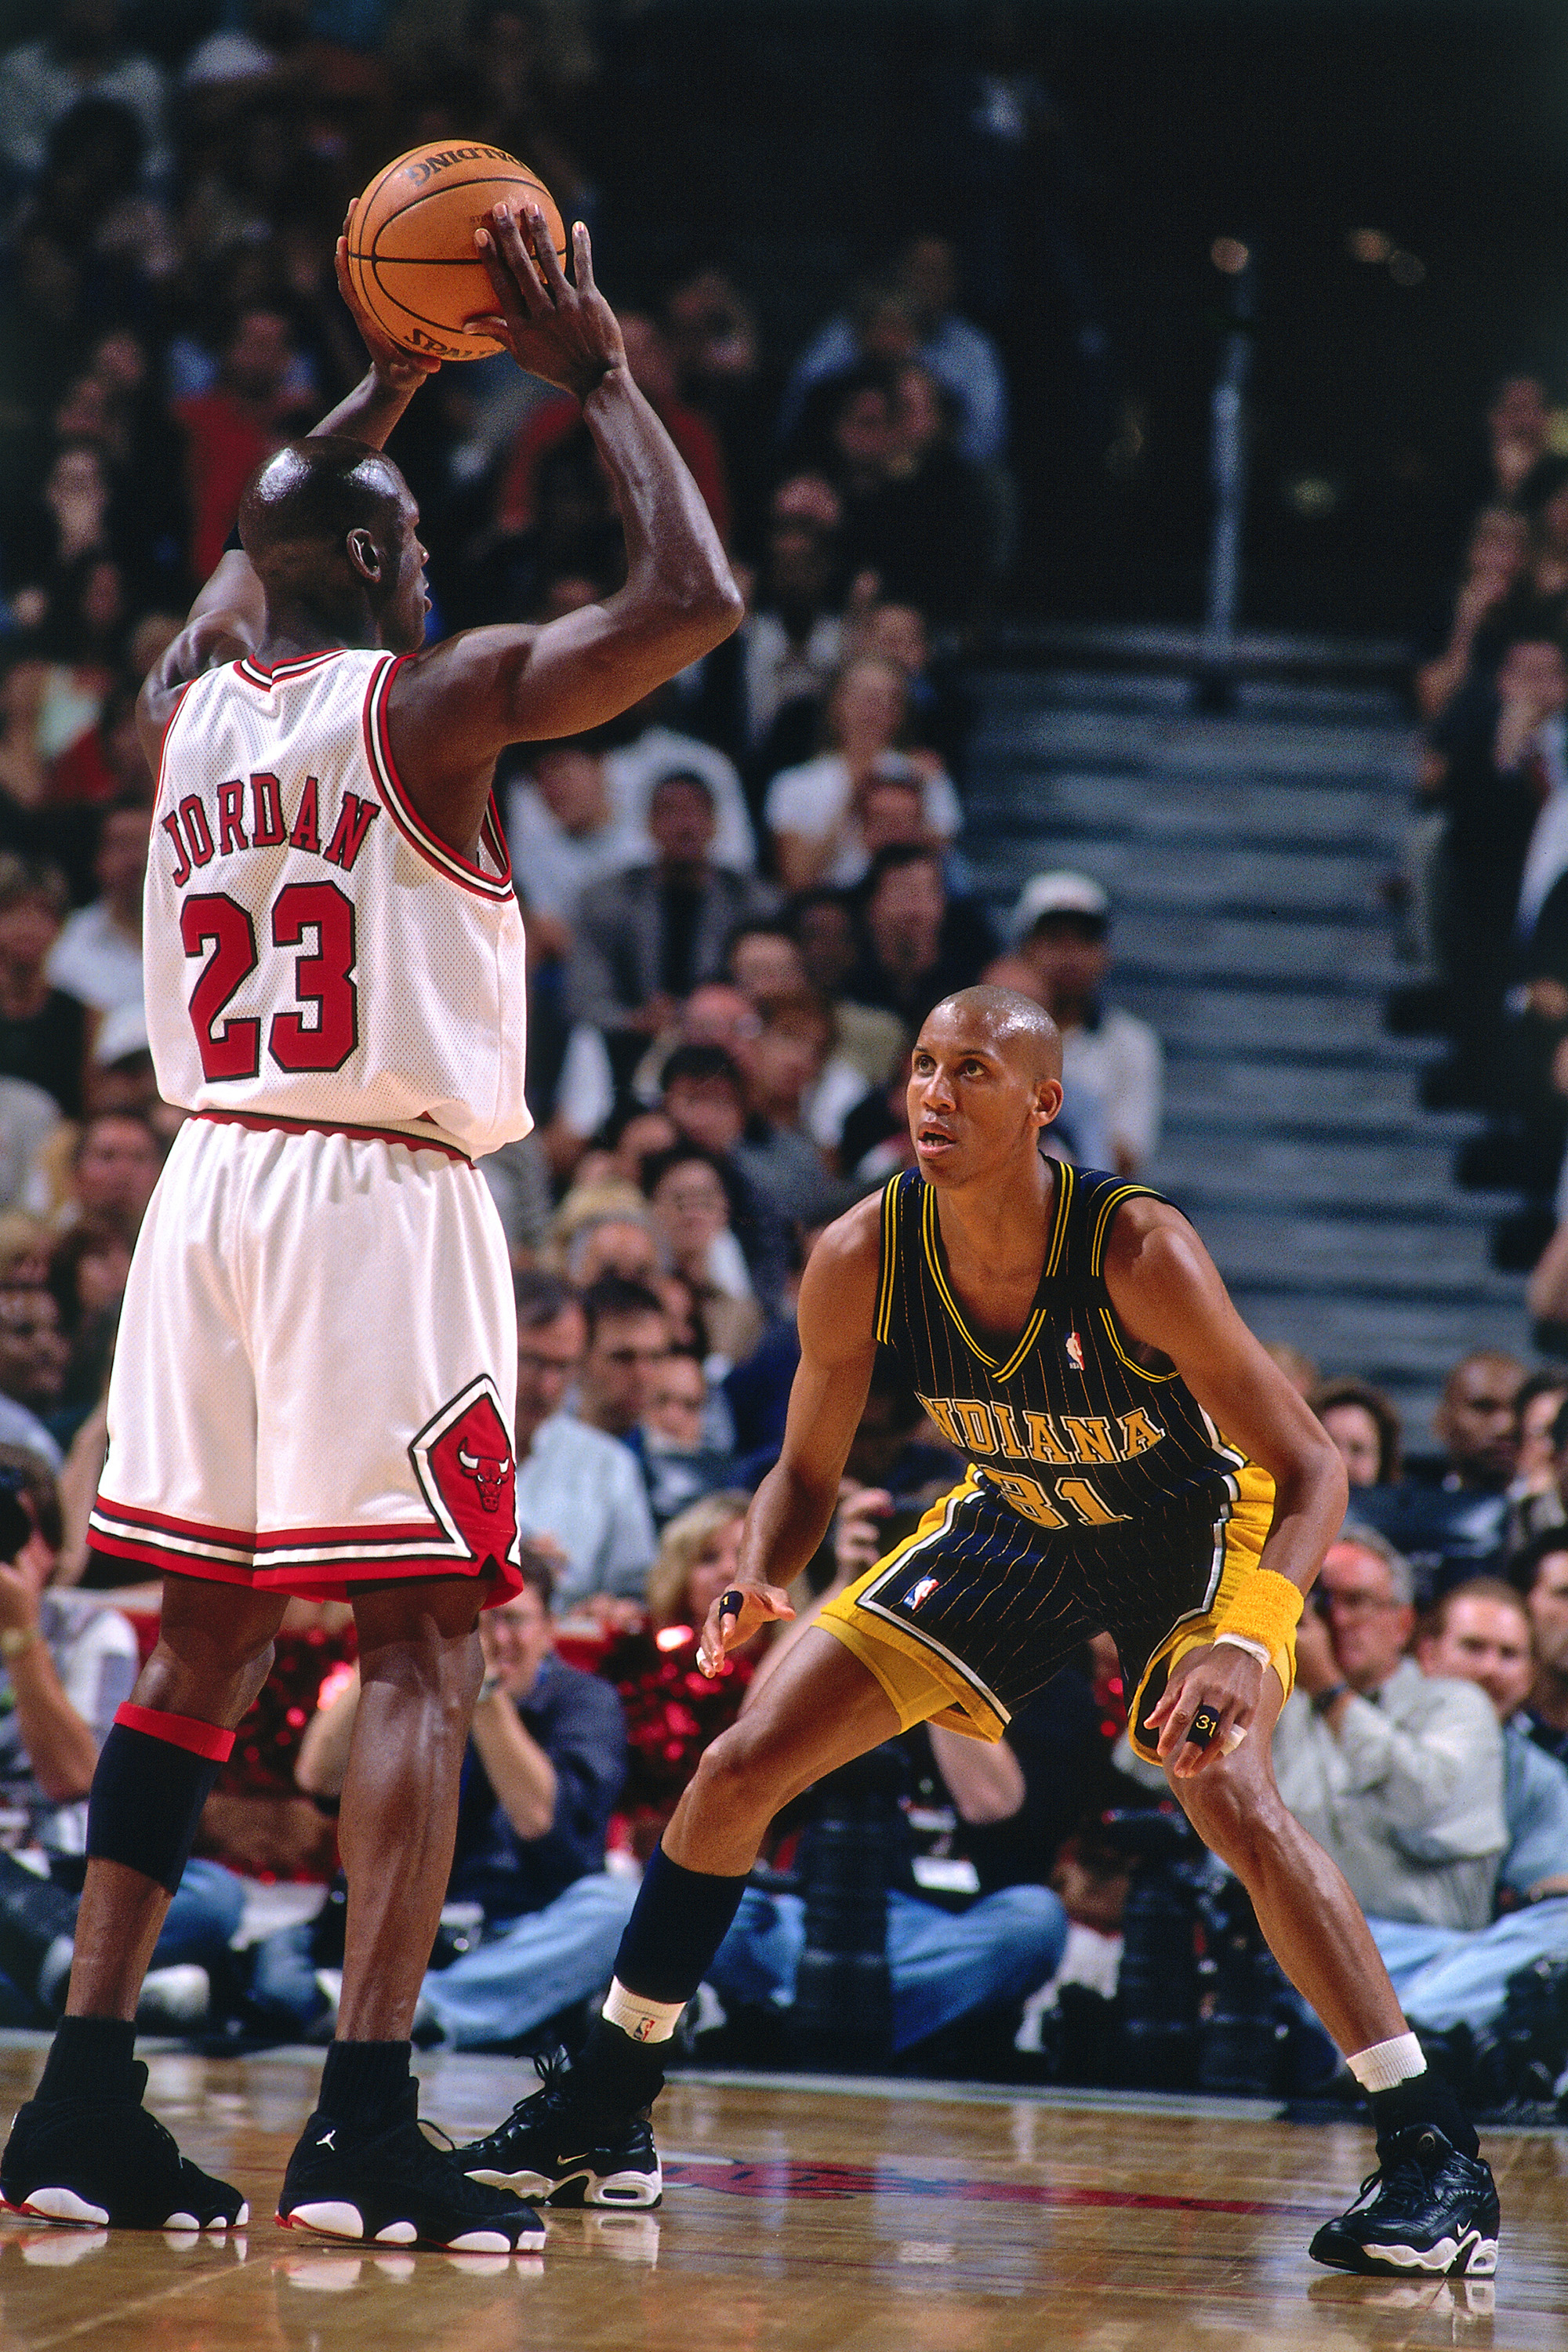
x: 1546, y: 860
x: 94, y: 960
x: 227, y: 57
x: 586, y: 1489
x: 27, y: 1117
x: 585, y: 1090
x: 38, y: 86
x: 553, y: 866
x: 811, y: 801
x: 777, y: 671
x: 829, y: 1102
x: 1119, y: 1067
x: 1406, y: 1797
x: 20, y: 1427
x: 963, y: 359
x: 95, y: 1656
x: 632, y: 773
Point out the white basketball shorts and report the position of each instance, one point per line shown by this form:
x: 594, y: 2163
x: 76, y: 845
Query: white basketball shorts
x: 316, y: 1371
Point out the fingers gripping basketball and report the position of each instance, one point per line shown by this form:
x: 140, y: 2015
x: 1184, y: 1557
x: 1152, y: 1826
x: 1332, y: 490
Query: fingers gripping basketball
x: 410, y: 251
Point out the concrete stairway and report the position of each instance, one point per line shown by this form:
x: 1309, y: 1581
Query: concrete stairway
x: 1243, y: 854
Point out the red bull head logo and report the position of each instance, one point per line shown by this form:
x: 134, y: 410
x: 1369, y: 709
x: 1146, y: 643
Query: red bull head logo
x: 466, y: 1466
x: 488, y: 1474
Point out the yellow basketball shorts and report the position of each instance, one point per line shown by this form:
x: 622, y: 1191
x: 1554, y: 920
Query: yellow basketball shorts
x: 971, y: 1615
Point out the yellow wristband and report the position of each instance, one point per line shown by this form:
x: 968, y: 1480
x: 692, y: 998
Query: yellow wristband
x: 1265, y: 1607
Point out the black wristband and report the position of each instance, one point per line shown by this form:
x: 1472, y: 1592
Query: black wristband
x: 730, y: 1604
x: 1323, y: 1700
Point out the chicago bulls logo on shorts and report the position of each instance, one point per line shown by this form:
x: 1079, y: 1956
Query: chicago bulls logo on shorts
x: 464, y: 1462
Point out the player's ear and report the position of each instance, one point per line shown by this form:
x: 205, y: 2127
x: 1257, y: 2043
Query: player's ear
x: 364, y: 555
x: 1048, y: 1101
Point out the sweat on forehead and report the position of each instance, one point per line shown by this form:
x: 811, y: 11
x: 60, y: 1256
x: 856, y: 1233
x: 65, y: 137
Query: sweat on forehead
x: 319, y: 489
x: 1013, y: 1025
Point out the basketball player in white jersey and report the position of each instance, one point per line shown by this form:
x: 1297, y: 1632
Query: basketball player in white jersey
x: 313, y: 1391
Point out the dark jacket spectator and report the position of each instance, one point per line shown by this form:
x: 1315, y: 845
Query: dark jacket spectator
x: 646, y: 938
x: 919, y: 944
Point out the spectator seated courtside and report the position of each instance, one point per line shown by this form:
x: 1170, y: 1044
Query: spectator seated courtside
x: 1397, y: 1770
x: 1449, y: 1513
x: 1113, y: 1063
x: 67, y: 1665
x: 580, y: 1494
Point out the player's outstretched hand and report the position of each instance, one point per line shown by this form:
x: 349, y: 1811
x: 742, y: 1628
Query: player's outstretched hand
x: 565, y: 333
x: 403, y: 371
x: 1206, y: 1715
x: 727, y: 1626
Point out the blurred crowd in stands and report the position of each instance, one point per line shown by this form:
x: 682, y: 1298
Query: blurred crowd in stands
x: 742, y: 899
x: 1484, y: 890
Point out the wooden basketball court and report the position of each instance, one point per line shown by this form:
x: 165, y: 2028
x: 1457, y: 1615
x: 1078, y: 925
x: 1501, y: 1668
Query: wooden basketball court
x: 804, y: 2217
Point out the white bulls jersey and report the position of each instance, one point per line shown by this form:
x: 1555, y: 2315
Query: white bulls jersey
x: 313, y: 951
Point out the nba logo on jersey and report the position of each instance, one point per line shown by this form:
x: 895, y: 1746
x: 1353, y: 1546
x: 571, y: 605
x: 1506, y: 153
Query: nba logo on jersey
x: 922, y: 1593
x: 1075, y: 1352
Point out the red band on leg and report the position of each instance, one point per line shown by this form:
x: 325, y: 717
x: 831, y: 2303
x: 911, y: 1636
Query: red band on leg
x: 187, y: 1731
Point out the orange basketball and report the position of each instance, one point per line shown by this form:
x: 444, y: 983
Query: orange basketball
x: 411, y: 244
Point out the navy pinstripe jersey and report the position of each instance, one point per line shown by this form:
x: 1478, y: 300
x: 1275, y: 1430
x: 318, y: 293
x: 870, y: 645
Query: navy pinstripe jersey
x: 1068, y: 1427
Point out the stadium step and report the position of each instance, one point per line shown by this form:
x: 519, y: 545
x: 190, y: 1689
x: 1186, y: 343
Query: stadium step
x: 1246, y: 856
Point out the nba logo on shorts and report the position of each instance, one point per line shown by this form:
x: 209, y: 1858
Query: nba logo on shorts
x: 1075, y: 1352
x: 922, y: 1593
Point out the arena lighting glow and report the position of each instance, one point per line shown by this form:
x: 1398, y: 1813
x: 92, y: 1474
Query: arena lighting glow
x: 1370, y: 246
x: 672, y: 1637
x: 1229, y: 255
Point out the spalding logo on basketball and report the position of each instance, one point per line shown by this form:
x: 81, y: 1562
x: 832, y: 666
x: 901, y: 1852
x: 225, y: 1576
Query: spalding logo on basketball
x: 411, y: 255
x: 464, y: 1460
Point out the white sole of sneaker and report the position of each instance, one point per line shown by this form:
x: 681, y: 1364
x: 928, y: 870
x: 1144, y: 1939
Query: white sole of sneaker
x: 332, y: 2218
x: 1469, y: 2256
x: 60, y: 2205
x: 66, y: 2205
x: 526, y: 2185
x: 628, y: 2190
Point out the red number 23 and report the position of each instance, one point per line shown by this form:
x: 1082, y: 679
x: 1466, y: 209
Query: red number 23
x: 323, y: 977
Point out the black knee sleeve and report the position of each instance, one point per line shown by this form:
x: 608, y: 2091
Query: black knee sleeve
x: 154, y: 1774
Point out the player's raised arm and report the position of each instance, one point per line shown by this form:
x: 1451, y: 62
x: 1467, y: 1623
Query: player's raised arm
x: 791, y: 1509
x: 228, y: 617
x: 453, y: 709
x: 1168, y: 1295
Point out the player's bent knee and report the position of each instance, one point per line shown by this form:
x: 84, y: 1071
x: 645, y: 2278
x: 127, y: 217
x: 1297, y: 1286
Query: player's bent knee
x: 734, y: 1775
x: 1241, y: 1820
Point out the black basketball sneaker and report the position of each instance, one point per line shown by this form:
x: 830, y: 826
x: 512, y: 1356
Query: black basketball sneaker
x: 556, y: 2149
x: 1434, y: 2212
x: 107, y: 2164
x: 385, y: 2184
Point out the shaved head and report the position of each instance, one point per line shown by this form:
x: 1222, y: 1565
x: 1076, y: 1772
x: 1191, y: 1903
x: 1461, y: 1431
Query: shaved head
x: 311, y: 494
x: 332, y: 529
x: 1014, y: 1024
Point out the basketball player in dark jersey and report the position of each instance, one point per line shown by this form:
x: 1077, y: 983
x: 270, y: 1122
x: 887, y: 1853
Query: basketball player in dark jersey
x: 1136, y: 1463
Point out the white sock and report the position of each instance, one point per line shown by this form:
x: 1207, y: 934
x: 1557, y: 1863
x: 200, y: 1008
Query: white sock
x: 644, y: 2021
x: 1387, y: 2063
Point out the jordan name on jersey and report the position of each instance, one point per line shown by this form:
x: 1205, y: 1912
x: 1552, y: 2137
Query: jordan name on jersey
x: 262, y: 812
x: 313, y: 951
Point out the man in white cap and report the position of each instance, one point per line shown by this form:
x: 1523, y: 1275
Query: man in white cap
x: 1109, y: 1057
